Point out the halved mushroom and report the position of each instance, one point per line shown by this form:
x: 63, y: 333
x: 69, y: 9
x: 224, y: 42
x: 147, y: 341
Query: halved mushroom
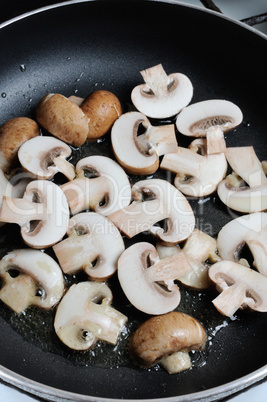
x: 13, y: 134
x: 94, y: 245
x: 162, y: 95
x: 85, y: 316
x: 251, y: 230
x: 196, y: 119
x: 147, y: 281
x: 45, y: 156
x: 167, y: 339
x: 30, y: 278
x: 240, y: 288
x: 197, y: 175
x: 106, y: 192
x: 63, y: 118
x: 42, y: 213
x: 139, y: 154
x: 199, y: 250
x: 164, y: 202
x: 247, y: 168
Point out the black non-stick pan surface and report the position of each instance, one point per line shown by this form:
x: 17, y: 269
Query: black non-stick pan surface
x: 79, y: 47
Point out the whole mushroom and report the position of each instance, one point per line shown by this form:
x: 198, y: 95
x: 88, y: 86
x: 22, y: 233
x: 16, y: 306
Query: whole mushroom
x: 102, y: 109
x: 30, y: 277
x: 63, y: 118
x: 161, y: 337
x: 13, y: 134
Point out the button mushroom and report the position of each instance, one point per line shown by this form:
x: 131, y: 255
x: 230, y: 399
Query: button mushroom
x: 196, y: 175
x: 162, y: 95
x: 164, y: 202
x: 247, y: 168
x: 30, y: 277
x: 240, y: 288
x: 94, y: 245
x: 196, y: 119
x: 85, y: 316
x: 250, y: 230
x: 42, y: 213
x: 102, y: 108
x: 199, y: 250
x: 13, y: 134
x: 147, y: 281
x: 106, y: 192
x: 45, y: 156
x: 161, y: 337
x: 63, y: 118
x: 139, y: 154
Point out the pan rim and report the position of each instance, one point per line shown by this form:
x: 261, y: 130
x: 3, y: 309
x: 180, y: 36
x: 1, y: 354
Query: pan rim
x: 55, y: 394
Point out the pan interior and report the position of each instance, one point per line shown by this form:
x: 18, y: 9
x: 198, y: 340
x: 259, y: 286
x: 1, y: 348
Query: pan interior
x: 81, y: 47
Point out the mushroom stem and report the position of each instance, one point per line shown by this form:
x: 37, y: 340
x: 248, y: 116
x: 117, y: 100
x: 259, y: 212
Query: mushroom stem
x: 230, y: 300
x: 162, y: 139
x: 169, y: 268
x: 183, y: 161
x: 156, y: 79
x: 19, y: 210
x: 215, y: 141
x: 176, y: 362
x: 65, y: 167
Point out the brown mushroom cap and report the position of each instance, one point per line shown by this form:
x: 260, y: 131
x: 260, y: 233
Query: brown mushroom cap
x: 13, y: 134
x: 102, y: 108
x: 63, y: 118
x: 164, y: 335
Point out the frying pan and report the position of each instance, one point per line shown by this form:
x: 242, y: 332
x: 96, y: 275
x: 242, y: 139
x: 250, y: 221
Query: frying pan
x: 75, y: 48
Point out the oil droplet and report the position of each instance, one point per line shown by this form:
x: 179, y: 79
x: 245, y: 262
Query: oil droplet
x: 22, y: 68
x: 3, y: 94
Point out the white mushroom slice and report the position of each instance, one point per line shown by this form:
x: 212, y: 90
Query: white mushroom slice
x: 42, y: 213
x: 162, y: 95
x: 215, y: 141
x: 250, y: 230
x: 197, y: 250
x: 45, y: 156
x: 165, y: 202
x: 93, y: 238
x: 30, y: 277
x: 197, y: 175
x: 233, y: 192
x: 139, y: 154
x: 196, y: 119
x: 240, y: 288
x: 85, y: 316
x: 110, y: 185
x: 148, y: 282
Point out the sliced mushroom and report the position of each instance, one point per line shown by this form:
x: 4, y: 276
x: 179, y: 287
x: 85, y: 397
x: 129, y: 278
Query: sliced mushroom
x: 30, y: 277
x: 139, y: 154
x: 247, y: 168
x: 159, y: 339
x: 45, y: 156
x: 94, y: 245
x: 148, y: 282
x: 63, y: 118
x: 250, y: 230
x: 199, y: 251
x: 13, y: 134
x: 85, y: 316
x: 197, y: 175
x: 42, y: 213
x: 162, y: 95
x: 106, y: 192
x: 240, y: 288
x: 164, y: 202
x: 196, y: 119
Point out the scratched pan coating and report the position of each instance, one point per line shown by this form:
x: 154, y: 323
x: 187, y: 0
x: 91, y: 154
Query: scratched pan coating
x: 79, y: 47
